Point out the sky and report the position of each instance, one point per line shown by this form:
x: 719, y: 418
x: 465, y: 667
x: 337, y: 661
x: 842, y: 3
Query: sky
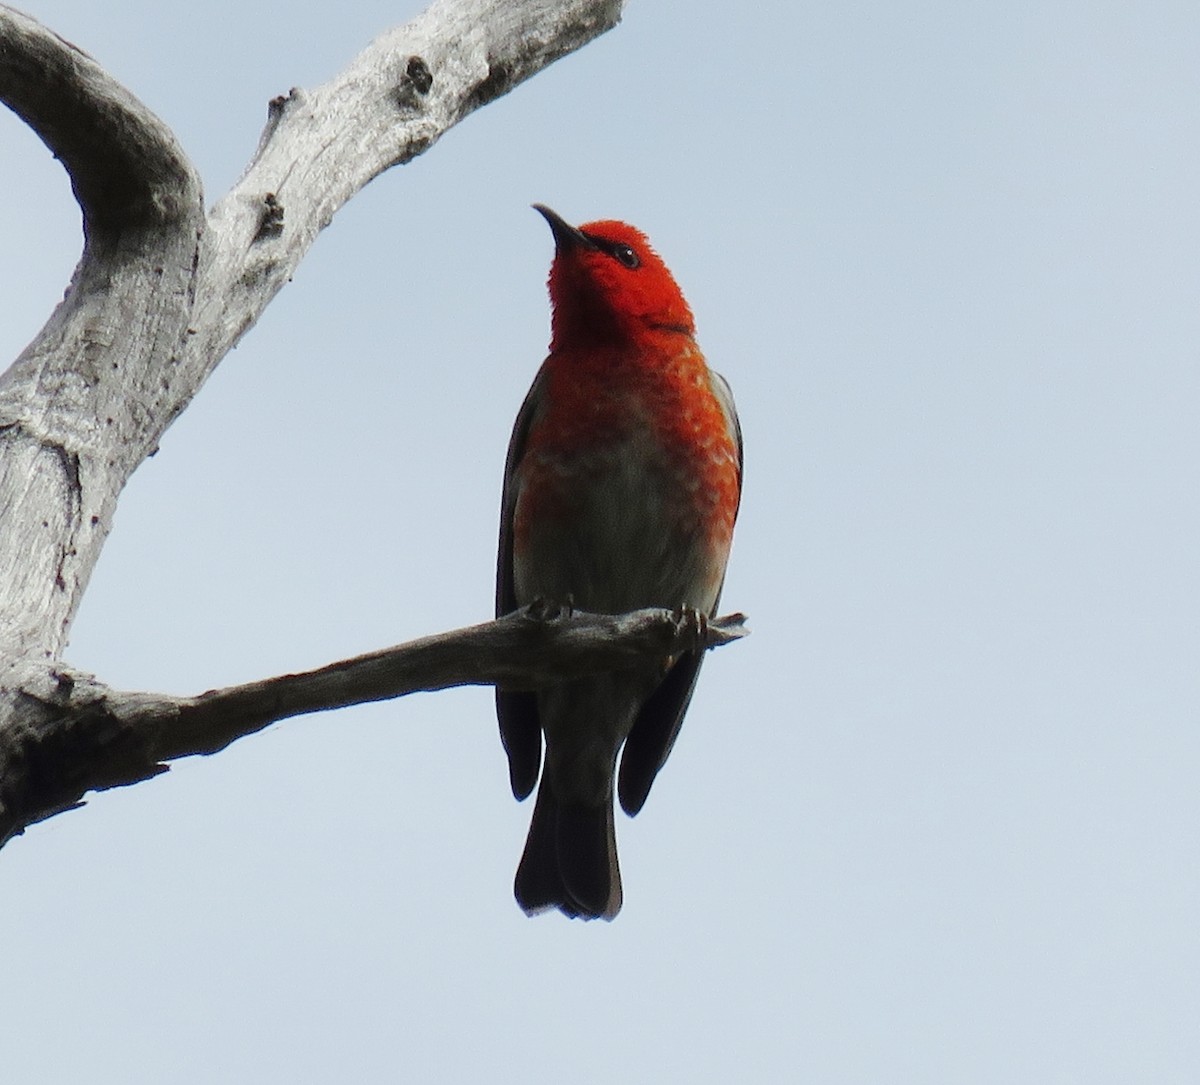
x: 935, y: 820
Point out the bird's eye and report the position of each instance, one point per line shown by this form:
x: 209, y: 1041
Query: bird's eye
x: 626, y: 256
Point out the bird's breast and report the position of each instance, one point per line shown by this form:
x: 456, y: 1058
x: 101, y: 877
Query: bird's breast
x: 623, y: 495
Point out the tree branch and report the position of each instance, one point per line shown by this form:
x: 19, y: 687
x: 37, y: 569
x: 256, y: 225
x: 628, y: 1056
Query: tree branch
x: 76, y: 735
x: 125, y: 166
x: 393, y: 102
x: 88, y: 399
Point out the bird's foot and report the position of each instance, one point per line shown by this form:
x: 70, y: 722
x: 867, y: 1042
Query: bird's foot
x: 693, y: 624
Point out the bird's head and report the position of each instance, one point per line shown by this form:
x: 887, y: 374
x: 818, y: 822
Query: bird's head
x: 607, y: 283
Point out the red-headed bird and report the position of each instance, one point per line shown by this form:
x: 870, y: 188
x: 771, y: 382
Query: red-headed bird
x: 620, y: 492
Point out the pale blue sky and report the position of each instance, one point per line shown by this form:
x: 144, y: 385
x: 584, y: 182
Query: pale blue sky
x: 937, y: 820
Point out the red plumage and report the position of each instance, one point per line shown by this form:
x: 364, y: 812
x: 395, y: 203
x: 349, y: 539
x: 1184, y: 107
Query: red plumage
x: 621, y: 490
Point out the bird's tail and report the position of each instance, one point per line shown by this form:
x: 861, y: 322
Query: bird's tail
x: 570, y: 859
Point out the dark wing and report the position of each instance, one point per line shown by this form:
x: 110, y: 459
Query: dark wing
x: 654, y: 732
x: 657, y: 725
x: 516, y: 710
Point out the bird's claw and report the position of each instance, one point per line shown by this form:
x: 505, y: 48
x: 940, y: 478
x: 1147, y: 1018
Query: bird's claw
x: 694, y: 624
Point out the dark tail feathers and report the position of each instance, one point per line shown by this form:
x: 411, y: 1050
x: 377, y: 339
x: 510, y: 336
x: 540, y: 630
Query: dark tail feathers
x: 570, y: 859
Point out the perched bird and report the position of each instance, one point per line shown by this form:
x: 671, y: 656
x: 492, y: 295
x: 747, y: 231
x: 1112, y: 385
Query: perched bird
x: 620, y: 491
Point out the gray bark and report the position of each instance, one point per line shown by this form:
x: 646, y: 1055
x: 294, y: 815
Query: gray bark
x: 68, y: 733
x: 162, y: 291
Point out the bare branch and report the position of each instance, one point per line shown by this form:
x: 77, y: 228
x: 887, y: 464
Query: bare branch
x: 393, y: 102
x: 88, y: 399
x: 125, y: 166
x: 76, y: 735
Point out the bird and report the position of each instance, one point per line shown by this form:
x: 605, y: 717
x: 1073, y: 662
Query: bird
x: 621, y: 488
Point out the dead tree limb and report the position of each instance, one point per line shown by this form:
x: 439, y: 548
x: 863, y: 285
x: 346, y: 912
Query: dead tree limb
x: 75, y: 735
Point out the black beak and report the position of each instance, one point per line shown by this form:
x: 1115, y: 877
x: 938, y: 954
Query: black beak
x: 566, y: 236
